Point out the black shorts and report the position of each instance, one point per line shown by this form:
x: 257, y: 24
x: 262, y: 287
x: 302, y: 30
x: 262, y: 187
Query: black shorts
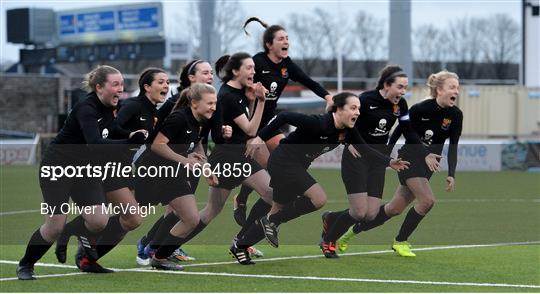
x: 360, y: 175
x: 164, y: 187
x: 288, y: 179
x: 224, y: 154
x: 115, y: 182
x: 83, y: 191
x: 417, y: 169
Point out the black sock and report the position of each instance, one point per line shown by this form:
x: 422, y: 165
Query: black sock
x: 110, y: 236
x: 333, y: 216
x: 409, y: 225
x: 297, y: 208
x: 252, y: 236
x: 341, y: 225
x: 243, y: 195
x: 163, y: 231
x: 259, y: 209
x: 77, y: 227
x: 380, y: 219
x: 169, y: 245
x: 145, y: 240
x: 36, y: 248
x: 200, y: 226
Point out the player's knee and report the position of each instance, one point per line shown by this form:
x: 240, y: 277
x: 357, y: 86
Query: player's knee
x: 357, y: 214
x: 97, y: 223
x: 370, y: 215
x: 392, y: 211
x: 53, y: 231
x: 426, y: 205
x: 132, y: 221
x: 318, y: 202
x: 191, y: 220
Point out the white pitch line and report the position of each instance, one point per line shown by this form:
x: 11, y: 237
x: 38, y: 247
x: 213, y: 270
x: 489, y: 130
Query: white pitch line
x: 41, y: 264
x: 340, y: 279
x: 309, y: 277
x: 371, y: 252
x: 18, y: 212
x: 46, y: 276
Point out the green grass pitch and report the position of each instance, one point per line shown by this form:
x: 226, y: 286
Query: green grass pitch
x: 484, y: 237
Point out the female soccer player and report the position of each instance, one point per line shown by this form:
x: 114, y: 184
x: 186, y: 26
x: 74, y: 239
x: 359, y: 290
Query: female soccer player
x: 178, y: 141
x: 273, y: 68
x: 363, y: 178
x: 295, y: 192
x: 195, y: 71
x: 434, y: 120
x: 86, y: 127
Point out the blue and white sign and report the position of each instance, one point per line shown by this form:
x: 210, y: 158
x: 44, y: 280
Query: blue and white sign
x: 67, y: 25
x: 111, y: 23
x: 95, y: 22
x: 136, y: 19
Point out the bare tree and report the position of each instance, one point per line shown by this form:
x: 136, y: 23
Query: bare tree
x: 465, y: 44
x: 503, y: 43
x: 229, y: 18
x: 305, y: 40
x: 429, y: 53
x: 368, y: 37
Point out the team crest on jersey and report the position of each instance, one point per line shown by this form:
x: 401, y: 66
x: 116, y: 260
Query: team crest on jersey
x: 395, y: 110
x: 284, y: 73
x: 446, y: 124
x: 155, y: 121
x: 105, y: 133
x: 341, y: 137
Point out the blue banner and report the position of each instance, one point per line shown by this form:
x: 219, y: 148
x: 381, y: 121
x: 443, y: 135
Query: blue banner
x: 134, y: 19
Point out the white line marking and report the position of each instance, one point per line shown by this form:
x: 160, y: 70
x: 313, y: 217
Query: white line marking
x: 41, y: 264
x: 46, y: 276
x: 18, y: 212
x: 340, y: 279
x: 371, y: 252
x: 144, y: 270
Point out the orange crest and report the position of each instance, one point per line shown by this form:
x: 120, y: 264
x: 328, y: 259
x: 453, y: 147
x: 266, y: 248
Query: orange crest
x: 396, y: 110
x: 284, y: 73
x: 446, y: 123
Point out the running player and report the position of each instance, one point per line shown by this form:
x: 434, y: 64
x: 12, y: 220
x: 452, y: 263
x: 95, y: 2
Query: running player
x: 195, y: 71
x: 86, y: 127
x: 273, y: 68
x: 364, y: 178
x: 295, y: 191
x: 434, y: 120
x: 178, y: 141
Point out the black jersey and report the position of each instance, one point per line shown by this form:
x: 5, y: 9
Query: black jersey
x: 234, y: 103
x: 314, y: 135
x: 274, y: 77
x: 136, y: 113
x: 214, y: 125
x: 182, y: 130
x: 88, y: 124
x: 434, y: 125
x: 378, y: 116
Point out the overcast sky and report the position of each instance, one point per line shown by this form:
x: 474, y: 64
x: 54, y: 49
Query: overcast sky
x: 434, y: 12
